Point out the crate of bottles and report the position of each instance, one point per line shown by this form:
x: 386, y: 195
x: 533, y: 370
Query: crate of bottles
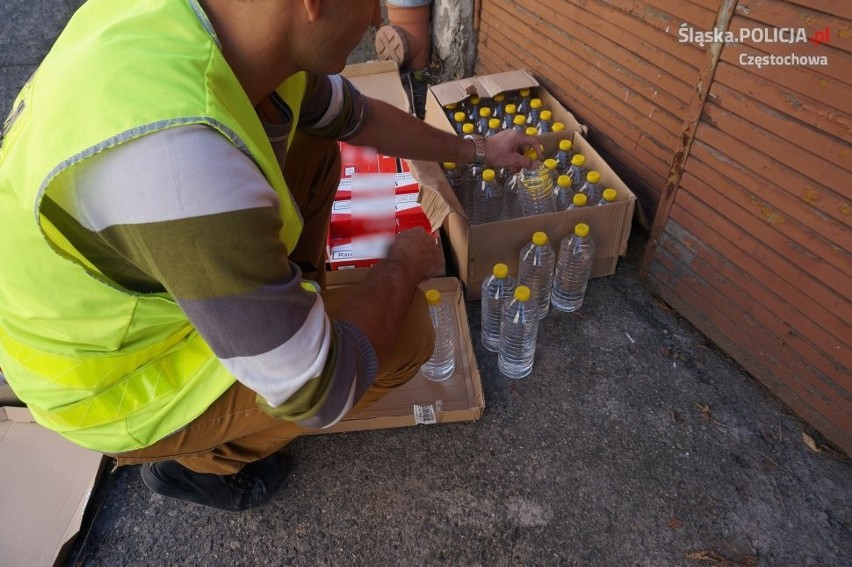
x: 477, y: 244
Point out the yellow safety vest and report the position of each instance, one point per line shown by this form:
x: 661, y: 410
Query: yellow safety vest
x: 110, y: 369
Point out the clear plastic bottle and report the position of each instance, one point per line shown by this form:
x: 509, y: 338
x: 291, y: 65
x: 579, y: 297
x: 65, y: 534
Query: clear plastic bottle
x: 524, y: 100
x: 577, y: 172
x: 488, y: 199
x: 472, y: 181
x: 511, y: 192
x: 442, y: 364
x: 450, y: 110
x: 497, y: 290
x: 535, y: 194
x: 493, y: 127
x: 563, y: 194
x: 563, y: 156
x: 519, y: 123
x: 534, y: 114
x: 508, y: 119
x: 551, y: 166
x: 545, y: 122
x: 573, y: 268
x: 455, y: 177
x: 578, y: 201
x: 468, y: 129
x: 499, y: 105
x: 592, y: 187
x: 518, y: 334
x: 474, y: 103
x: 608, y: 196
x: 535, y: 270
x: 459, y: 119
x: 482, y: 120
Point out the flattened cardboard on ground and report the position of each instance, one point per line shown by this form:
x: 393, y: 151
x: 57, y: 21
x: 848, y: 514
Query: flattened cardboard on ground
x: 475, y: 249
x: 488, y: 86
x: 380, y: 80
x: 420, y: 401
x: 45, y: 485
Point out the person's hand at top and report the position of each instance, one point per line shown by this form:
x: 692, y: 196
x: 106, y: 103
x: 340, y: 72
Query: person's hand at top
x: 506, y: 149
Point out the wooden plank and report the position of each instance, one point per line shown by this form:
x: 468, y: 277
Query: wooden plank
x: 780, y: 14
x: 801, y: 80
x: 677, y: 12
x: 728, y: 198
x: 673, y: 282
x: 838, y: 62
x: 842, y: 10
x: 804, y: 141
x: 578, y: 72
x: 804, y: 198
x: 801, y: 301
x: 570, y: 20
x: 642, y: 126
x: 746, y: 296
x: 788, y: 154
x: 808, y: 110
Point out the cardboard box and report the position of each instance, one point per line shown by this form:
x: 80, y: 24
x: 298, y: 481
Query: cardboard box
x: 475, y: 249
x: 488, y: 86
x: 380, y: 80
x: 45, y: 487
x: 420, y: 401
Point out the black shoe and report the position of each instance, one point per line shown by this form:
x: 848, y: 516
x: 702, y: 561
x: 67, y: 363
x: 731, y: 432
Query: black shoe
x: 246, y: 489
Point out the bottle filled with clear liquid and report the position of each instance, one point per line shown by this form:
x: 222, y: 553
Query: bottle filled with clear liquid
x: 497, y: 290
x: 508, y: 119
x: 524, y: 100
x: 488, y: 199
x: 499, y: 106
x: 608, y: 196
x: 459, y: 120
x: 563, y: 156
x: 493, y: 127
x: 455, y: 177
x: 442, y: 363
x: 518, y: 334
x: 578, y: 201
x: 562, y: 193
x: 535, y: 270
x: 577, y: 172
x: 536, y: 190
x: 573, y: 269
x: 592, y: 188
x: 545, y: 122
x: 474, y: 103
x: 472, y: 182
x: 519, y: 123
x: 482, y: 120
x: 534, y: 114
x: 511, y: 191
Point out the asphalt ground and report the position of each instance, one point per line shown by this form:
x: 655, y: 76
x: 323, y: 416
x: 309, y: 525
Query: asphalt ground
x: 635, y: 441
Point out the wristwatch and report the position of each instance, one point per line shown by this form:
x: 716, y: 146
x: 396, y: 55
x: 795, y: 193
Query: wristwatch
x: 479, y: 149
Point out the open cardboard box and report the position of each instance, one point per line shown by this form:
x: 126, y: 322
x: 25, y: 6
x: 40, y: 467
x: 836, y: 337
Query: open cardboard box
x: 475, y: 249
x: 379, y: 80
x: 45, y: 485
x: 488, y: 86
x: 421, y: 401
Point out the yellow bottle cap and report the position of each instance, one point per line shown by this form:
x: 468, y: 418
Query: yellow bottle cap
x: 539, y: 238
x: 433, y: 297
x: 459, y: 116
x: 546, y: 115
x: 550, y: 163
x: 593, y: 176
x: 525, y: 92
x: 501, y: 270
x: 522, y: 293
x: 535, y: 103
x: 449, y: 165
x: 531, y: 130
x: 500, y: 97
x: 494, y: 123
x: 519, y: 120
x: 488, y: 175
x: 579, y: 160
x: 485, y: 112
x: 558, y: 127
x: 565, y: 145
x: 531, y: 153
x: 563, y: 180
x: 581, y: 230
x: 610, y: 195
x: 451, y: 106
x: 468, y: 128
x: 511, y: 109
x: 580, y: 200
x: 474, y: 99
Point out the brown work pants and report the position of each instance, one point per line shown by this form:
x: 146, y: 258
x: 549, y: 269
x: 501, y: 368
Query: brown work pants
x: 233, y: 431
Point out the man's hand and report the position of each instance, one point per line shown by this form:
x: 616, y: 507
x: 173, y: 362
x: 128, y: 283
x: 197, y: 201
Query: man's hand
x: 506, y: 149
x: 418, y: 253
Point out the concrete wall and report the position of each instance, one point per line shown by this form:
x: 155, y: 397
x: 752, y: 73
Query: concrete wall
x: 454, y: 37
